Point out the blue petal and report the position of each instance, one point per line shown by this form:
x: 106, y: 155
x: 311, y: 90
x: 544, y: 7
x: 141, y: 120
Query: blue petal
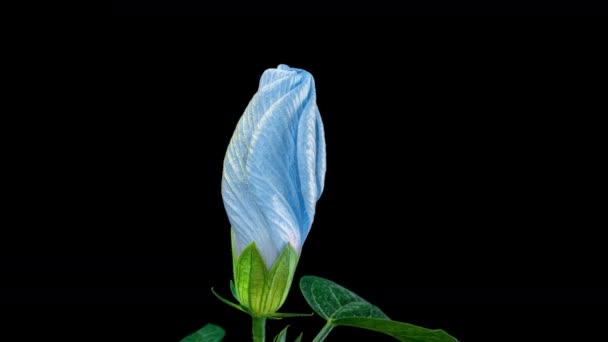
x: 275, y: 164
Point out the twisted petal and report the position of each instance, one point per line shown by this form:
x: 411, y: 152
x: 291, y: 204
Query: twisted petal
x: 275, y: 164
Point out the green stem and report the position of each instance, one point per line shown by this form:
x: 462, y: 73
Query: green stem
x: 327, y: 328
x: 259, y: 329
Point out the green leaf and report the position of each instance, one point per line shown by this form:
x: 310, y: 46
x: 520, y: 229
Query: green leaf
x: 401, y: 331
x: 340, y: 306
x: 208, y: 333
x: 332, y: 301
x: 282, y: 336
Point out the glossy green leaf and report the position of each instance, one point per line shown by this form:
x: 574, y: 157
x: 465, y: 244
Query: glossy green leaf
x: 340, y: 306
x: 299, y: 338
x: 401, y: 331
x: 208, y: 333
x: 332, y: 301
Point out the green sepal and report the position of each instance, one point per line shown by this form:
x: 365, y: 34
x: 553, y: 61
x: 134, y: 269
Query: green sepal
x: 233, y: 290
x: 280, y: 278
x: 258, y: 289
x: 250, y: 279
x: 279, y: 315
x: 229, y: 303
x: 234, y: 258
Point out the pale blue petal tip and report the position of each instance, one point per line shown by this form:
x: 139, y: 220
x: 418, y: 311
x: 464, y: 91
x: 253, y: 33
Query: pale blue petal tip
x: 274, y: 167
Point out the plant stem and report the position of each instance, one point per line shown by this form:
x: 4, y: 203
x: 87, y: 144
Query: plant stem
x: 327, y: 328
x: 259, y: 329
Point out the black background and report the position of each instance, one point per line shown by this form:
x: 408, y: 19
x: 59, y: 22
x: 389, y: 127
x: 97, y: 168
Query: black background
x: 342, y: 7
x: 461, y: 192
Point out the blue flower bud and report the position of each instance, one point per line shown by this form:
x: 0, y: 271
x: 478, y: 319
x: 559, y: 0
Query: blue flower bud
x: 274, y: 167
